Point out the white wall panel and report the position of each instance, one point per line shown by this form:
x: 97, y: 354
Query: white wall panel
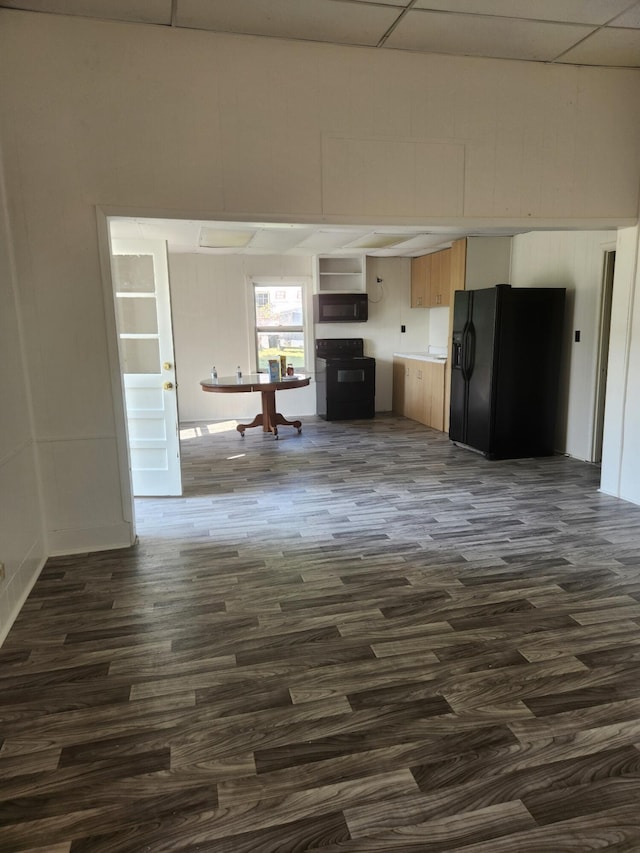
x: 392, y: 177
x: 210, y: 307
x: 22, y: 547
x: 573, y: 260
x: 79, y: 488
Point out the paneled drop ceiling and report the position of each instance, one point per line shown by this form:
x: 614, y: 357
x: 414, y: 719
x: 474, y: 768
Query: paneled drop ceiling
x: 582, y: 32
x: 578, y: 32
x: 269, y: 238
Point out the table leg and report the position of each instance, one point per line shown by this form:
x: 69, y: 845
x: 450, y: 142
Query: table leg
x: 279, y: 419
x: 269, y: 419
x: 257, y: 421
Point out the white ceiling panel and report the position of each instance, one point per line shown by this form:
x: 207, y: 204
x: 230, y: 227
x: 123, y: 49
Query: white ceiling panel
x: 534, y: 30
x: 475, y: 35
x: 142, y: 11
x: 313, y: 20
x: 270, y: 239
x: 279, y: 238
x: 629, y: 19
x: 609, y: 47
x: 573, y: 11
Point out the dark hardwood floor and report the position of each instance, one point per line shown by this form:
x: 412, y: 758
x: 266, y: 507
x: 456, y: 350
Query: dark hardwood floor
x: 357, y: 639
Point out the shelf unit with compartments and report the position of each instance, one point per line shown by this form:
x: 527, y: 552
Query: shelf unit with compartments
x: 337, y: 274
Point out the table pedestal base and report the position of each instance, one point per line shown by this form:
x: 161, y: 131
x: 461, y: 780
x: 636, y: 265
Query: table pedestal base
x: 269, y: 419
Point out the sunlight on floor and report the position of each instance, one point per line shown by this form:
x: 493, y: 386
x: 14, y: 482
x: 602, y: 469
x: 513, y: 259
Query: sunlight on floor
x: 207, y: 429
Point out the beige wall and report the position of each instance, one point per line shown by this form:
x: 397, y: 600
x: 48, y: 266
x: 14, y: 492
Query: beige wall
x: 22, y: 547
x: 150, y: 120
x: 210, y: 299
x: 573, y: 260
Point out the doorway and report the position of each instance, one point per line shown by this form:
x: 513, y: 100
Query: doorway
x: 603, y: 353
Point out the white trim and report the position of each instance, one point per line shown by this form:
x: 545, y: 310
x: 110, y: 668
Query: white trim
x: 86, y: 540
x: 31, y: 566
x: 115, y: 375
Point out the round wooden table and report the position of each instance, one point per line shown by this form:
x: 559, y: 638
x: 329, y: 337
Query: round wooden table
x: 268, y: 419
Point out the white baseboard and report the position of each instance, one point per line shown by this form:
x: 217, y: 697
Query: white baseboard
x: 83, y: 541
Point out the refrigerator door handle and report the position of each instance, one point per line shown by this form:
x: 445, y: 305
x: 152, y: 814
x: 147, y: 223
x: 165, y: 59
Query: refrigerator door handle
x: 462, y: 354
x: 469, y: 351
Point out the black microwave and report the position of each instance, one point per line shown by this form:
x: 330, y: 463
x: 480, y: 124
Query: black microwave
x: 341, y: 308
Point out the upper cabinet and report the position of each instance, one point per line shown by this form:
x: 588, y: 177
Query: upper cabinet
x: 470, y: 263
x: 420, y: 281
x: 431, y: 280
x: 346, y: 274
x: 440, y: 278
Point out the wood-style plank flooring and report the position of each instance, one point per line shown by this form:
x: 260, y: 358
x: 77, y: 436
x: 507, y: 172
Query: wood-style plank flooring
x: 361, y: 638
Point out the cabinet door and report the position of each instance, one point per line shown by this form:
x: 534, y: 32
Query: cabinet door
x: 437, y: 378
x: 398, y: 392
x: 440, y: 278
x: 418, y: 283
x: 417, y: 399
x: 444, y: 289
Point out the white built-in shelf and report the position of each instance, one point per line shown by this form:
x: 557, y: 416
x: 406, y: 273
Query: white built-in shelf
x: 337, y: 274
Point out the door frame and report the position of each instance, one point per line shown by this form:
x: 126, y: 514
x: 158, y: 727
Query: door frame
x: 115, y: 373
x: 603, y: 339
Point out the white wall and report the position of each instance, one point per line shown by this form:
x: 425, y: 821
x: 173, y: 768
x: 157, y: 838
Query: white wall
x: 210, y: 307
x: 144, y: 120
x: 621, y: 447
x: 22, y: 548
x: 573, y: 260
x: 488, y: 262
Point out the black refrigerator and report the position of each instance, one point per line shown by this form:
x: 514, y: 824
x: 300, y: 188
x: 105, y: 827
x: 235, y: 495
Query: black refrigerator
x: 505, y: 370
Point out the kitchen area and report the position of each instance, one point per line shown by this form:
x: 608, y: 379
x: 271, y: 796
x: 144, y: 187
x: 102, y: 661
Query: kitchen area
x: 409, y: 319
x: 421, y: 374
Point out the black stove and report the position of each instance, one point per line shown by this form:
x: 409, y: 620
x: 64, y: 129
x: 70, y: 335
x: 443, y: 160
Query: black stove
x: 345, y: 379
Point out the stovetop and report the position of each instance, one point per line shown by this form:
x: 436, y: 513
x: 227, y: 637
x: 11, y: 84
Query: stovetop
x: 339, y: 348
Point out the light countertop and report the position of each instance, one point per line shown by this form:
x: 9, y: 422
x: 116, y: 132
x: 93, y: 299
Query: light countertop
x: 422, y: 356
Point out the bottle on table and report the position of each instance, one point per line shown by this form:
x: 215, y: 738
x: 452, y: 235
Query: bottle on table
x: 238, y: 374
x: 214, y: 373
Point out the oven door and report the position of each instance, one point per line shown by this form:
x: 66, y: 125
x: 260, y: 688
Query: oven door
x: 350, y: 388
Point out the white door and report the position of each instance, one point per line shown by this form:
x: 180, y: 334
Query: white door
x: 143, y: 311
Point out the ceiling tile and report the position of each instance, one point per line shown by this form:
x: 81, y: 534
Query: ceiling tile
x: 573, y: 11
x: 629, y: 19
x: 608, y: 46
x: 313, y: 20
x: 144, y: 11
x: 271, y: 239
x: 329, y: 239
x: 399, y: 3
x: 475, y: 35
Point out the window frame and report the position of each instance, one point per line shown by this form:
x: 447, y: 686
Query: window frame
x: 301, y: 281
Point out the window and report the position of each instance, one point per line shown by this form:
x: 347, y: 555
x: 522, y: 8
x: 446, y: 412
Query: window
x: 280, y: 328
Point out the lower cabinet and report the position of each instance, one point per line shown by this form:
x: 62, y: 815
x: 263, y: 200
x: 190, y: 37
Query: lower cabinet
x: 418, y: 390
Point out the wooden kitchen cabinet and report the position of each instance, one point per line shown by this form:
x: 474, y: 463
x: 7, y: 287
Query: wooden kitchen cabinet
x: 420, y: 281
x: 431, y: 280
x: 418, y: 390
x: 440, y: 291
x: 397, y: 391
